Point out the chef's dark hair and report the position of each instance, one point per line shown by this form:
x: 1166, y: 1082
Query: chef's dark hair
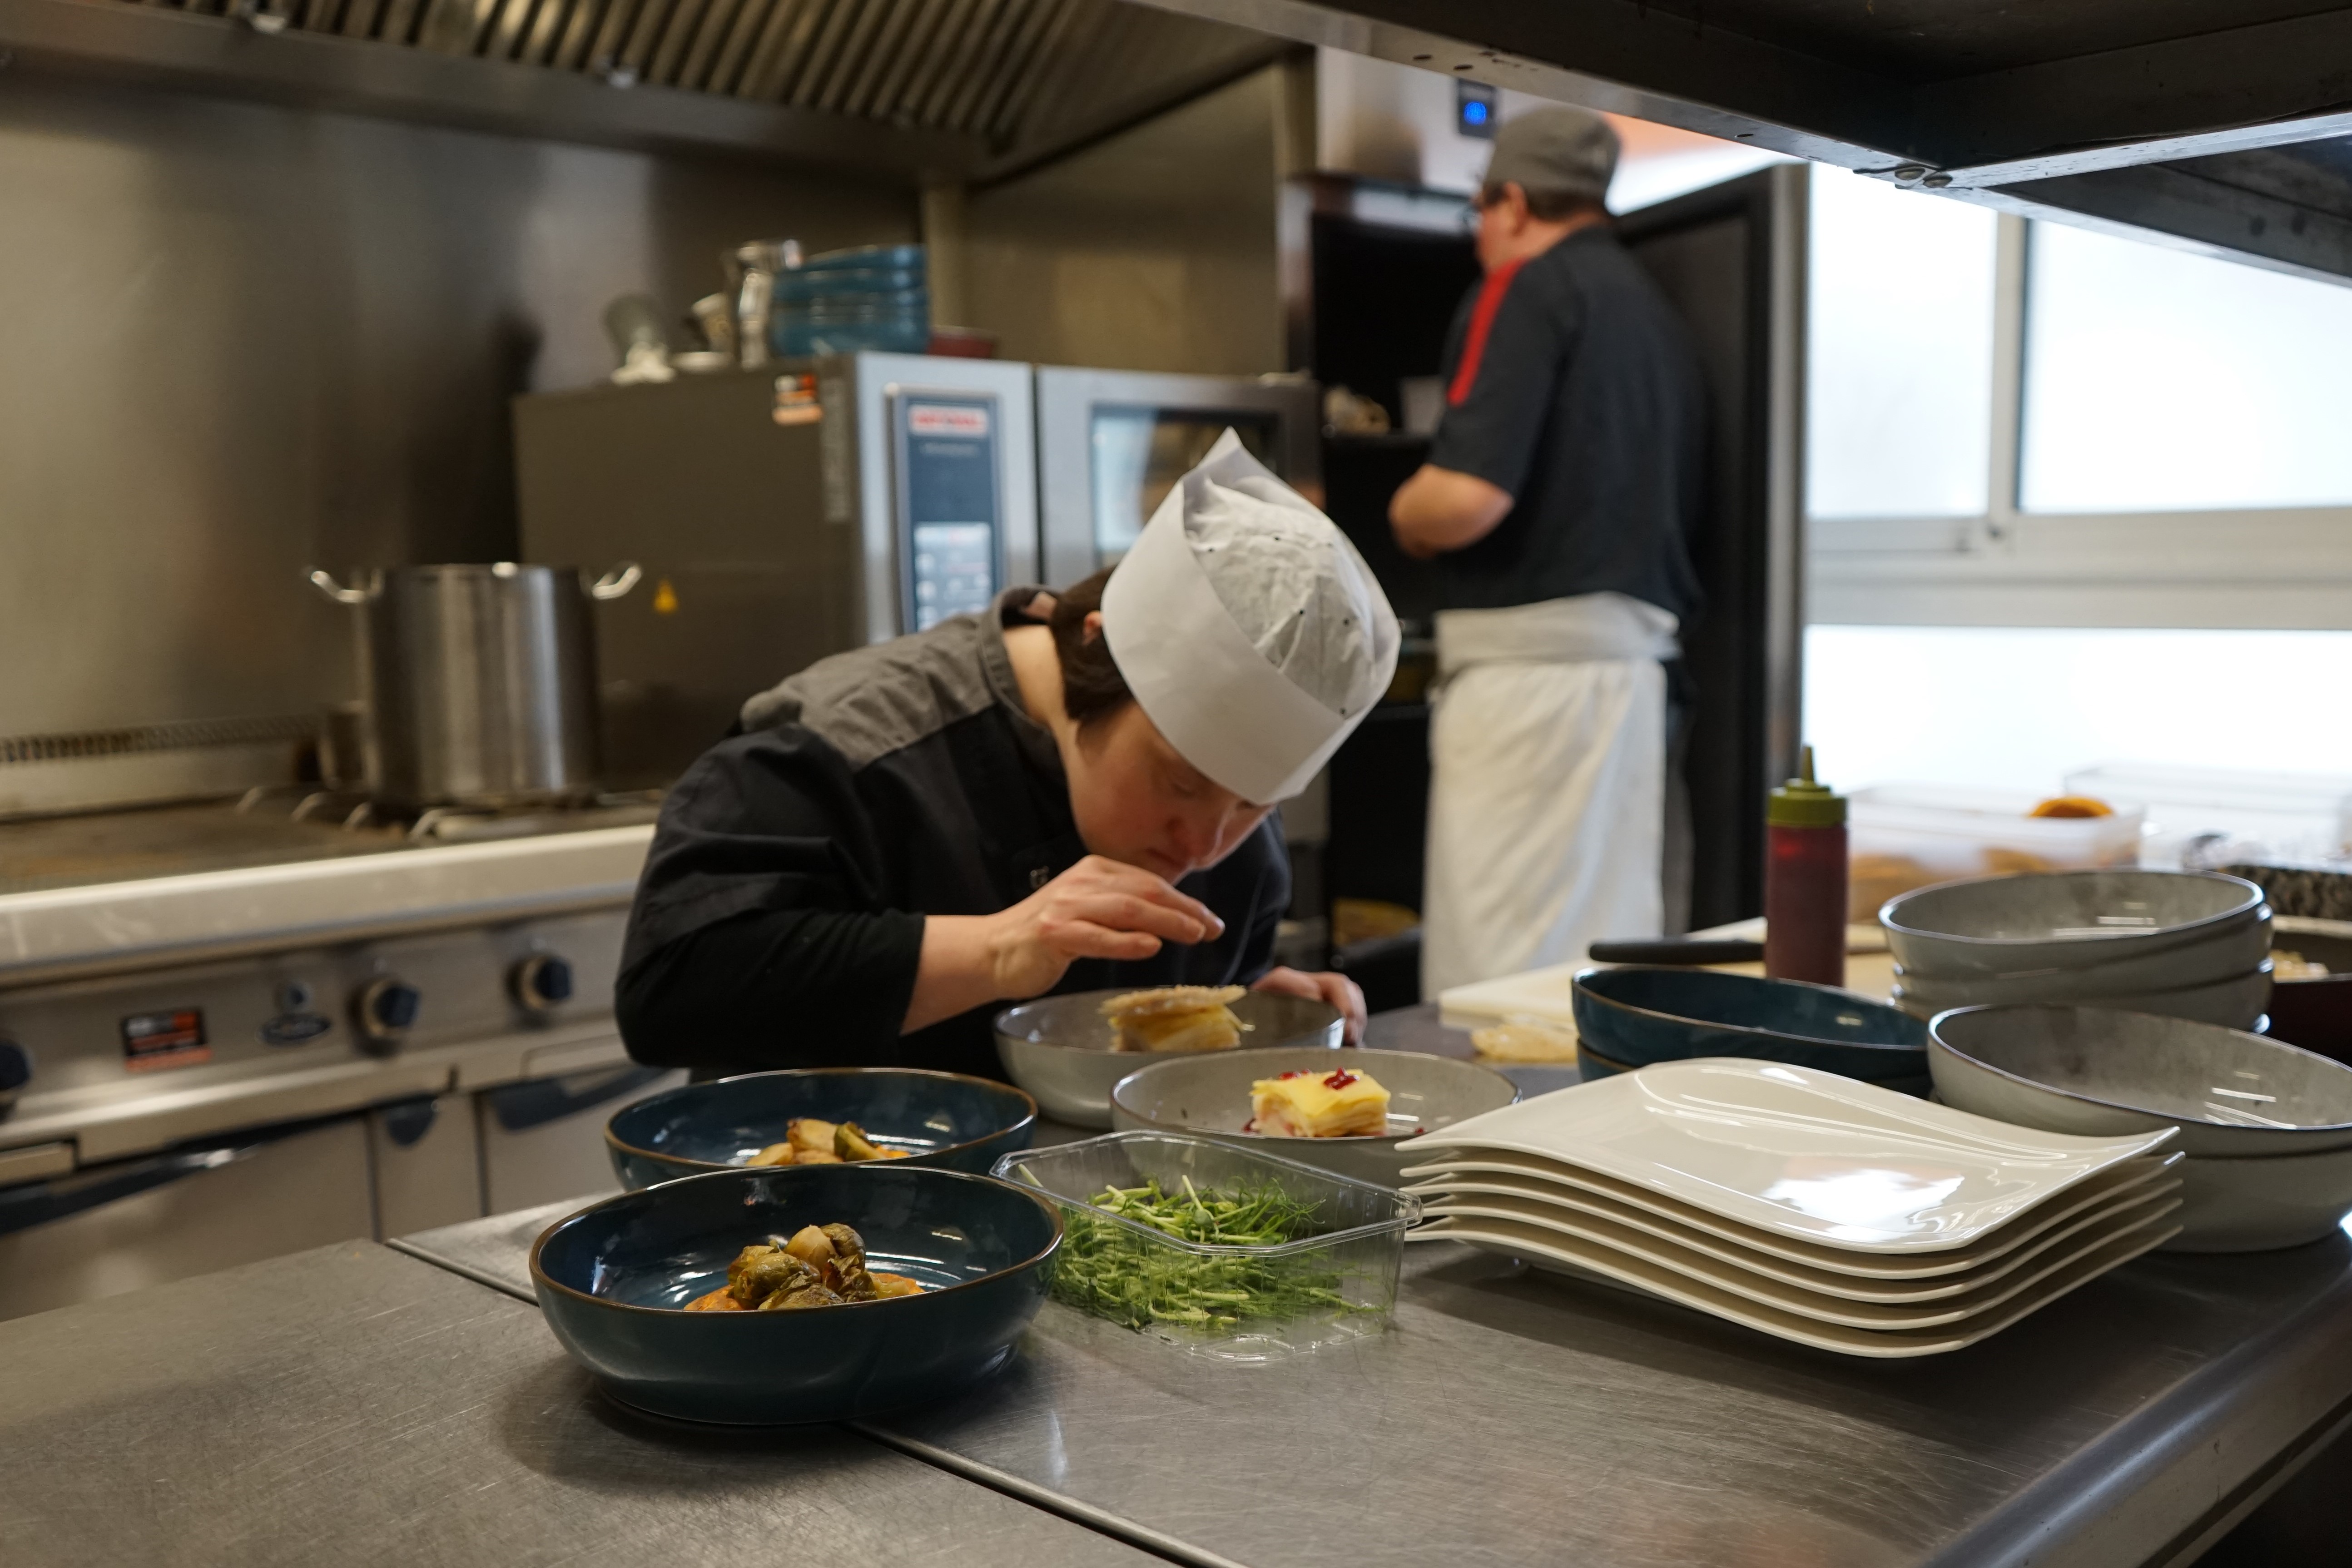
x: 1092, y: 686
x: 1544, y: 207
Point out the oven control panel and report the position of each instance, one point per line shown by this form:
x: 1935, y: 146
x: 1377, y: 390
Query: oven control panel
x: 236, y: 1019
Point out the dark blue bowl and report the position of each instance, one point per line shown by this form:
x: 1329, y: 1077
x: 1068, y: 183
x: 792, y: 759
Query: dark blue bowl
x: 611, y: 1280
x: 951, y: 1123
x: 1638, y: 1015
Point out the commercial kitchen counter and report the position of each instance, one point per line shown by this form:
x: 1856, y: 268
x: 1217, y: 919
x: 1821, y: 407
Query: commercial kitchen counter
x: 353, y: 1405
x: 360, y: 1403
x: 1515, y: 1417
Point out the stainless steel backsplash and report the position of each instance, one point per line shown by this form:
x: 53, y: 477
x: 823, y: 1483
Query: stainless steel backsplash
x: 236, y: 340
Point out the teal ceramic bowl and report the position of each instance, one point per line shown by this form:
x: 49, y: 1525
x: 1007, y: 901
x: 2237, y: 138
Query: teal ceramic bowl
x: 612, y: 1278
x: 944, y: 1120
x: 1636, y: 1016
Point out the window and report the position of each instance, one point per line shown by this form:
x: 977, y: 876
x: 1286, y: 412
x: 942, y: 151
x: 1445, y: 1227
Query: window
x: 1899, y: 319
x: 2019, y: 708
x: 2067, y: 428
x: 2158, y: 381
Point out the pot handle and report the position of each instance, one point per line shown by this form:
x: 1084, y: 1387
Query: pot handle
x: 614, y: 584
x: 326, y: 584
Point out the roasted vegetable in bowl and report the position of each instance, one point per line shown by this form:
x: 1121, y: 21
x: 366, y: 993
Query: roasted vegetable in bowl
x: 811, y: 1142
x: 821, y: 1266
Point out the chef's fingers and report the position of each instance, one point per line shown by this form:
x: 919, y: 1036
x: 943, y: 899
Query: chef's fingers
x: 1131, y: 912
x: 1137, y: 883
x: 1349, y: 997
x: 1084, y: 938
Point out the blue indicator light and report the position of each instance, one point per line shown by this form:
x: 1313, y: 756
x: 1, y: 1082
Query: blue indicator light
x: 1475, y: 112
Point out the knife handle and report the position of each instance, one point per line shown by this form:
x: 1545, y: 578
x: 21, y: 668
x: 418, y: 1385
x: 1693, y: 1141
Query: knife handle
x: 1677, y: 949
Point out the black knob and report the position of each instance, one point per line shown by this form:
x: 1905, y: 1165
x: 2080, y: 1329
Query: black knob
x: 15, y: 1068
x: 385, y: 1009
x: 543, y: 982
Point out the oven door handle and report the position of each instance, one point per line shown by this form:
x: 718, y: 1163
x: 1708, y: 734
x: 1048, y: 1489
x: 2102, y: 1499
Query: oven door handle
x: 61, y: 1197
x: 535, y: 1102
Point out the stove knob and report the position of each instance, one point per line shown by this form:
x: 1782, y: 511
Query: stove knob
x: 543, y: 982
x: 385, y: 1010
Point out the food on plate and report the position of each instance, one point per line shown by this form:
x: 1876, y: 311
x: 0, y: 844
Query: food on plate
x: 2073, y: 805
x: 1175, y: 1018
x: 1525, y: 1040
x: 2000, y: 862
x: 809, y: 1142
x: 2286, y: 966
x: 818, y: 1266
x: 1337, y: 1104
x: 1112, y: 1271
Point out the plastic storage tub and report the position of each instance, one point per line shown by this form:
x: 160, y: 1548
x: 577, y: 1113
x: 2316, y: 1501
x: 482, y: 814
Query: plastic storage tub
x: 1902, y: 837
x: 2199, y: 818
x: 1337, y: 1283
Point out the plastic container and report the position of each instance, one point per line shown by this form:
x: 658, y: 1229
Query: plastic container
x: 1805, y: 881
x: 2202, y: 818
x: 1902, y: 837
x: 1353, y: 1254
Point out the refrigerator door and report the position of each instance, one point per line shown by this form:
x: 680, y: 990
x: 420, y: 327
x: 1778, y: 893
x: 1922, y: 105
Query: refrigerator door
x: 1732, y: 259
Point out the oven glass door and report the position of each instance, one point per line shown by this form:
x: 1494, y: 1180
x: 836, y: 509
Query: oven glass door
x: 1137, y: 455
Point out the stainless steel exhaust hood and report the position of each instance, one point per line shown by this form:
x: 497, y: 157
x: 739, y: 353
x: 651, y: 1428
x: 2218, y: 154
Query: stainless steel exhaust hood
x: 944, y: 89
x: 2226, y: 124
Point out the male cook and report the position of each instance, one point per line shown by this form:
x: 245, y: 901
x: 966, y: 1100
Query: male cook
x: 1558, y: 501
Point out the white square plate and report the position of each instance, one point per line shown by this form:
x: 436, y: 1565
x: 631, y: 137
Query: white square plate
x: 1532, y: 1176
x: 1584, y: 1260
x: 1804, y: 1154
x: 1816, y: 1293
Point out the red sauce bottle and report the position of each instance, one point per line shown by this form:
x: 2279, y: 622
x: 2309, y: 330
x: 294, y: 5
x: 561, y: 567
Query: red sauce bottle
x: 1805, y: 881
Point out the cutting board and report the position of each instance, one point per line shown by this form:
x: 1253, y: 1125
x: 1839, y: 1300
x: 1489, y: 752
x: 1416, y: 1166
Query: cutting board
x: 1547, y: 993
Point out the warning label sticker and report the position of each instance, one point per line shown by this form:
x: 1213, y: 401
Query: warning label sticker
x: 174, y: 1039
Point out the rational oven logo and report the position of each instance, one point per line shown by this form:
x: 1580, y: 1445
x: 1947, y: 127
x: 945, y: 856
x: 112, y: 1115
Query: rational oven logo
x: 947, y: 419
x: 173, y: 1039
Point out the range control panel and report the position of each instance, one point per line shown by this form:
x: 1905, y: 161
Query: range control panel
x: 235, y: 1019
x: 950, y: 503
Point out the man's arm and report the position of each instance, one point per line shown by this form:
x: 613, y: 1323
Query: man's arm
x: 1440, y: 510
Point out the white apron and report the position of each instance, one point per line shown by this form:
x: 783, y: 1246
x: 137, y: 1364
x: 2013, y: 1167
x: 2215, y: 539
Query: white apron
x: 1547, y: 802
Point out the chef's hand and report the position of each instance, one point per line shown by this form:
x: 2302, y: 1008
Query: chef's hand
x: 1324, y: 987
x: 1097, y: 908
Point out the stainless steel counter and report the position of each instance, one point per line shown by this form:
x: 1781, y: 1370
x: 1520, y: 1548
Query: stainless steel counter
x: 353, y: 1405
x: 1512, y: 1417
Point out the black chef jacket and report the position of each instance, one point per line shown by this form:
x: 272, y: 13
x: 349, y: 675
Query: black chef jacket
x: 1572, y: 384
x: 780, y: 914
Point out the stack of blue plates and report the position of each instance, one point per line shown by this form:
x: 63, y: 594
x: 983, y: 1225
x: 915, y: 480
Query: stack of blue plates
x: 874, y: 297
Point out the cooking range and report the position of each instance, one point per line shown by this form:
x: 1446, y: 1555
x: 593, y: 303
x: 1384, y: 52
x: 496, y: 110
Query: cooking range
x: 232, y: 1029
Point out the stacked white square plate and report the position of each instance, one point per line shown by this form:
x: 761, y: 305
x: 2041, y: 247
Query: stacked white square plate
x: 1808, y: 1205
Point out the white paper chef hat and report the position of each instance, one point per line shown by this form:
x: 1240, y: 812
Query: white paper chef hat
x: 1245, y: 624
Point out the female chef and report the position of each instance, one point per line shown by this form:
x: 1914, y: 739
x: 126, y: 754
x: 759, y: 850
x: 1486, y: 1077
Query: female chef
x: 1067, y: 793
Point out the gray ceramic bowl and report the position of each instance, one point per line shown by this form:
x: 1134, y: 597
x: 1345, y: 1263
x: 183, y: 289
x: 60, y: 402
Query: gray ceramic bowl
x: 2095, y: 1070
x: 1209, y: 1096
x: 2141, y: 926
x: 2236, y: 1003
x: 2258, y: 1206
x: 1059, y: 1047
x: 2229, y: 952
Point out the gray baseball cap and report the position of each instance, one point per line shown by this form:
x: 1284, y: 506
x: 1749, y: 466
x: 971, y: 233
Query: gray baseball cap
x: 1555, y: 151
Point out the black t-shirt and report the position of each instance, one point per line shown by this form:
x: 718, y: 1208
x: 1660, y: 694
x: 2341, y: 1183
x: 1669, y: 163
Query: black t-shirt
x: 781, y: 914
x: 1572, y: 384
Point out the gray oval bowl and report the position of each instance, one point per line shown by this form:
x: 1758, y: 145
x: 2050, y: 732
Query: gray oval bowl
x: 1209, y: 1096
x: 1059, y: 1047
x: 2236, y: 1003
x: 2096, y: 1070
x: 2045, y: 920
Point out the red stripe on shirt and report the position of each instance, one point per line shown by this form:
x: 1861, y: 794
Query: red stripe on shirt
x: 1481, y: 320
